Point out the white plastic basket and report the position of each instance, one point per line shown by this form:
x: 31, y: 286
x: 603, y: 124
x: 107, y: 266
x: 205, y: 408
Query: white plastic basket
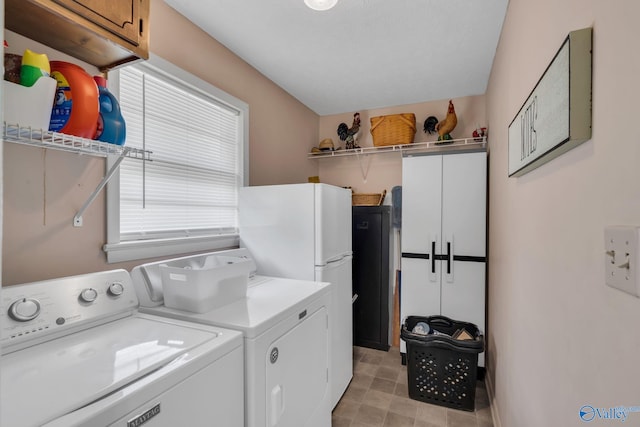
x: 218, y: 281
x: 29, y: 106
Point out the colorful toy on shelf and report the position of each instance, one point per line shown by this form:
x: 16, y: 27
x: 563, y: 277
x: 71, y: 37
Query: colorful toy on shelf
x: 76, y: 108
x: 34, y: 66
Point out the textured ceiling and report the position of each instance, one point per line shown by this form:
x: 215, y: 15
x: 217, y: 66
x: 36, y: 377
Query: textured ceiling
x: 362, y: 54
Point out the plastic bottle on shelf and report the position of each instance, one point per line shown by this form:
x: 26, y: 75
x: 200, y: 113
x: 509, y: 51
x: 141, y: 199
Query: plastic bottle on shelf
x: 75, y: 108
x: 111, y: 125
x: 34, y: 66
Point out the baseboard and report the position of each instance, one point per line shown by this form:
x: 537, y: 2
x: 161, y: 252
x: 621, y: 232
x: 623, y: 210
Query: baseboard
x: 495, y: 414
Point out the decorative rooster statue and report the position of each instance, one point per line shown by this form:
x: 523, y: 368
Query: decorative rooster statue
x: 445, y: 127
x: 350, y: 134
x: 430, y: 124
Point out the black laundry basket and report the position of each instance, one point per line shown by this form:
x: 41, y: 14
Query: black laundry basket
x: 442, y: 370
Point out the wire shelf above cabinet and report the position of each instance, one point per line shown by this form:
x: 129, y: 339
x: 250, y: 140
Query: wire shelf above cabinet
x: 59, y: 141
x: 417, y: 147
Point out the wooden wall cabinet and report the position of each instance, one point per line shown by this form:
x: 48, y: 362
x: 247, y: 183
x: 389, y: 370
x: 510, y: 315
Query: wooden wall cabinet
x: 104, y: 33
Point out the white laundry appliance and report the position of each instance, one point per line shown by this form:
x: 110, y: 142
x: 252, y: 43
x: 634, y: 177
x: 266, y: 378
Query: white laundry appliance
x: 285, y: 324
x: 75, y: 352
x: 303, y: 231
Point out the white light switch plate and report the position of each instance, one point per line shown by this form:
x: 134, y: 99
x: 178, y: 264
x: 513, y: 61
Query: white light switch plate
x: 621, y: 258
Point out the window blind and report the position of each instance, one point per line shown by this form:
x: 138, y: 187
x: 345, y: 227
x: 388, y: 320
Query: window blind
x: 190, y: 186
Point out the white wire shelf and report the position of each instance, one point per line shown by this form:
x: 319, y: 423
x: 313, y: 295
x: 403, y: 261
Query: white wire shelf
x: 59, y: 141
x: 417, y: 147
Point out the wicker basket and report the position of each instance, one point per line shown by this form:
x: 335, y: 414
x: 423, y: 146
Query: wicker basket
x: 395, y: 129
x: 372, y: 199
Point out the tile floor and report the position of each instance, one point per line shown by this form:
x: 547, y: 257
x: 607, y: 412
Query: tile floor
x: 378, y: 397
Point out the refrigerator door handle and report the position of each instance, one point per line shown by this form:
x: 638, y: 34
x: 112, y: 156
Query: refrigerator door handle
x: 449, y: 275
x: 339, y: 258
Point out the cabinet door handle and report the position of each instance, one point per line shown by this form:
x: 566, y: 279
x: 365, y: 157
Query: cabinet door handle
x: 433, y: 257
x: 450, y: 259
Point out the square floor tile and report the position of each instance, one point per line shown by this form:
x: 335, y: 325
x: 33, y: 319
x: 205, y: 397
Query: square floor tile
x: 378, y: 397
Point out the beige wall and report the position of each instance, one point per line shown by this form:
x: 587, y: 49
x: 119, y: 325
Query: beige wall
x: 43, y: 189
x: 374, y: 173
x: 559, y: 338
x: 282, y: 130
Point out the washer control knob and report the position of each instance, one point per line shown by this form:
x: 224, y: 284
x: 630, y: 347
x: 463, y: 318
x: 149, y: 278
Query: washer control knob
x: 115, y: 289
x: 88, y: 295
x: 24, y: 309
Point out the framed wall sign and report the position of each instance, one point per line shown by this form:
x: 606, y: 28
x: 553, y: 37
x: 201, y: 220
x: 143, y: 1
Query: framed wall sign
x: 557, y: 114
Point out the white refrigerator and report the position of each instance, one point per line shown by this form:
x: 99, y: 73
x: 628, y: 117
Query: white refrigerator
x: 303, y: 231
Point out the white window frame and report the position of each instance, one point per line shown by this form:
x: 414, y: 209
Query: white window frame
x: 119, y: 251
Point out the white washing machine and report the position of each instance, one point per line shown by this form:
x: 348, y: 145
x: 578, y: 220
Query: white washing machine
x: 75, y: 352
x: 285, y: 324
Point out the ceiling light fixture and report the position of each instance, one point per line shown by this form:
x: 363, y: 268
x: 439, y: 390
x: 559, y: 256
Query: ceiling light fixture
x: 320, y: 4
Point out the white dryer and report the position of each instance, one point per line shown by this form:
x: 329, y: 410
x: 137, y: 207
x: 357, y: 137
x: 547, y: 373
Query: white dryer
x: 285, y: 324
x: 75, y: 352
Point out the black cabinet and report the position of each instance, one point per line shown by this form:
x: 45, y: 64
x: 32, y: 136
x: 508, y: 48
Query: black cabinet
x: 371, y: 276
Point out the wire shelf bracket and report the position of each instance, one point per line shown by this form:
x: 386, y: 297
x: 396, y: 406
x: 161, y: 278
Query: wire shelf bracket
x: 58, y: 141
x: 77, y: 219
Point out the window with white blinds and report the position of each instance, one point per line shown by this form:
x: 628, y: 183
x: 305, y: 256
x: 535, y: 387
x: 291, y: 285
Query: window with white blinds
x: 190, y: 187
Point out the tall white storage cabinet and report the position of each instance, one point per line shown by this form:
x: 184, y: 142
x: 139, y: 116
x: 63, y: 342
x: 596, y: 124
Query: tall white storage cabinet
x: 444, y: 200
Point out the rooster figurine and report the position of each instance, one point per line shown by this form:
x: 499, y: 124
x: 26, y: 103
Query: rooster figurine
x: 445, y: 127
x: 350, y: 134
x: 430, y: 125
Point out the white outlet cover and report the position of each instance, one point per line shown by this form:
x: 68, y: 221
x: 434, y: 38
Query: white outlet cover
x: 621, y: 258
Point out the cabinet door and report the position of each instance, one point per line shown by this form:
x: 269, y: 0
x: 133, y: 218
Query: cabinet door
x: 121, y: 17
x: 371, y: 276
x: 420, y: 236
x: 104, y: 33
x: 419, y: 296
x: 464, y: 237
x: 464, y: 203
x: 464, y: 298
x: 464, y: 208
x: 422, y: 192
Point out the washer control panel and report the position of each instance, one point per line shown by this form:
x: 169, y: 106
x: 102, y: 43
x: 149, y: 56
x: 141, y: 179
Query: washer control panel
x: 32, y: 311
